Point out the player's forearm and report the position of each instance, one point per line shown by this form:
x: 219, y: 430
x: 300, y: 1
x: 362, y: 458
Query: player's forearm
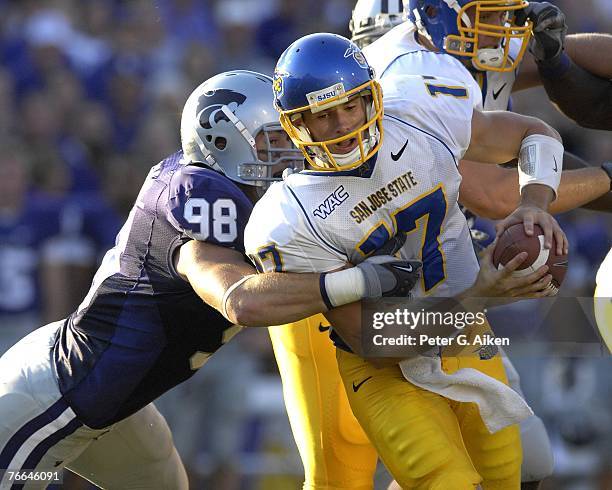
x: 537, y: 195
x: 346, y: 321
x: 489, y: 191
x: 497, y: 136
x: 580, y: 95
x: 275, y: 299
x: 580, y: 187
x: 603, y: 203
x: 496, y: 195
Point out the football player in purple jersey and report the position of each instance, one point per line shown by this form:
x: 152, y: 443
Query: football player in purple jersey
x: 77, y: 393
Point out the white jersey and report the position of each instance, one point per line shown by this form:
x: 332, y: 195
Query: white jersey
x: 399, y: 53
x: 319, y: 221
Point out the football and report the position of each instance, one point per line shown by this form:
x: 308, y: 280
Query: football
x: 514, y: 241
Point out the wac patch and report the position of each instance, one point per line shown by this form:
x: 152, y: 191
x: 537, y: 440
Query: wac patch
x: 331, y: 202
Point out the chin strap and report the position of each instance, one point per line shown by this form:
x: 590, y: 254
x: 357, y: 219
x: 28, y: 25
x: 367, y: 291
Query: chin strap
x: 454, y: 4
x: 493, y: 57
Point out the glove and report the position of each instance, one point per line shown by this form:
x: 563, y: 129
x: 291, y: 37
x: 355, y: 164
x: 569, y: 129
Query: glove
x: 549, y: 30
x: 389, y: 276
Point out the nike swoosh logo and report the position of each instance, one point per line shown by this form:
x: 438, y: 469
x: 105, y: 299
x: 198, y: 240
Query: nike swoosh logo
x: 408, y: 268
x: 496, y: 94
x: 323, y: 328
x: 561, y: 264
x: 395, y: 157
x: 357, y: 386
x: 556, y: 169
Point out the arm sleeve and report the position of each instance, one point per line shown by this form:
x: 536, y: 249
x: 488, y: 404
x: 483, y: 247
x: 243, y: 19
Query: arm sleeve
x: 279, y: 238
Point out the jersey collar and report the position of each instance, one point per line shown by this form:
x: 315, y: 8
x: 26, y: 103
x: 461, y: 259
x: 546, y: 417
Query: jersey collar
x: 364, y: 170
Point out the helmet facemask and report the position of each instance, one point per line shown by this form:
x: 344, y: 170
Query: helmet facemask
x: 471, y: 29
x: 467, y: 42
x: 270, y: 159
x: 368, y: 135
x: 366, y: 31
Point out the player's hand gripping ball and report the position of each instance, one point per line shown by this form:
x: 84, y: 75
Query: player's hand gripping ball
x: 514, y: 241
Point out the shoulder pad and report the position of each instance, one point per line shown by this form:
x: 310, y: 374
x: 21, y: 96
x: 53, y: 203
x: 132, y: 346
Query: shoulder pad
x: 208, y: 206
x: 279, y: 236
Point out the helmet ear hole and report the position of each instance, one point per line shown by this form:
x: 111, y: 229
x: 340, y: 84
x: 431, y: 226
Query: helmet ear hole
x: 220, y: 143
x: 431, y: 11
x: 208, y: 138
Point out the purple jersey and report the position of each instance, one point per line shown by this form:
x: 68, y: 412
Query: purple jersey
x: 142, y: 329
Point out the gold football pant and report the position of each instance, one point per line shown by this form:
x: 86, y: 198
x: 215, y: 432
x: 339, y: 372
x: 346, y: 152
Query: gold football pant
x: 334, y: 449
x: 337, y: 454
x: 428, y: 441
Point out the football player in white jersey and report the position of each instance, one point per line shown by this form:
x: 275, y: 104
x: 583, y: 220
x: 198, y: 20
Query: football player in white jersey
x: 431, y: 43
x: 578, y: 64
x: 333, y: 448
x: 361, y: 190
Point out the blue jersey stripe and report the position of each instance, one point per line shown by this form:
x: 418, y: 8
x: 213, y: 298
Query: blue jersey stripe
x: 365, y: 170
x: 324, y: 294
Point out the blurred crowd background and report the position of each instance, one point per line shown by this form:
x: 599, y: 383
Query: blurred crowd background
x: 91, y: 93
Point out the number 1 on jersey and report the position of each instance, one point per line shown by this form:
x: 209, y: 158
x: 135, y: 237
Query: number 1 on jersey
x: 454, y: 91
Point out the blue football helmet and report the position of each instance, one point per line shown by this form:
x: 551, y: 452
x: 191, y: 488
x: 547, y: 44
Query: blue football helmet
x: 316, y: 73
x: 451, y: 29
x: 221, y: 121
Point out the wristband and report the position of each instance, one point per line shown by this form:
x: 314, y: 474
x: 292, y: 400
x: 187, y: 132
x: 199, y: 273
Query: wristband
x: 342, y: 287
x: 540, y: 162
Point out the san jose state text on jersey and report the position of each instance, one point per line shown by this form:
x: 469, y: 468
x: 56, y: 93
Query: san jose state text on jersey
x: 142, y: 329
x: 399, y: 53
x: 319, y: 226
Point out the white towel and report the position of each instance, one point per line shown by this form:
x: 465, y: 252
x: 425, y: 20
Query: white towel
x: 499, y: 405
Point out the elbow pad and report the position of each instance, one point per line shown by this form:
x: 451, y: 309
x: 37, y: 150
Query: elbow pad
x: 540, y: 162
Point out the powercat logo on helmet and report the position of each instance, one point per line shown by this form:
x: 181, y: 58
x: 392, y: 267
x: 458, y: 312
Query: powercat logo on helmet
x: 211, y: 101
x: 317, y: 100
x: 357, y: 56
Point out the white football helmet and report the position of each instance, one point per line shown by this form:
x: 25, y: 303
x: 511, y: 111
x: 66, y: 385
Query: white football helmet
x: 221, y: 120
x: 373, y: 18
